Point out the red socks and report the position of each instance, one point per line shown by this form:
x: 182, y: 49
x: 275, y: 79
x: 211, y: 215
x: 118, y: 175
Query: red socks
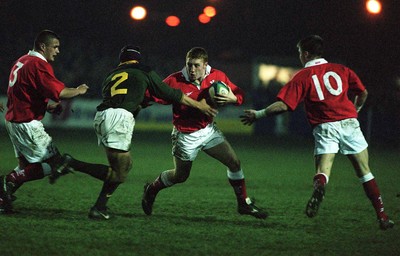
x: 320, y: 180
x: 29, y: 173
x: 157, y: 185
x: 372, y: 191
x: 239, y: 187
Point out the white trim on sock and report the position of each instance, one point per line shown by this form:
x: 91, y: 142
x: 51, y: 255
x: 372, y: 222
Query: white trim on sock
x: 17, y: 169
x: 164, y: 179
x: 46, y: 169
x: 326, y: 177
x: 366, y: 178
x: 239, y: 175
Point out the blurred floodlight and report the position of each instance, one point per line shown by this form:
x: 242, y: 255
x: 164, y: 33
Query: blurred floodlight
x: 138, y: 13
x: 374, y: 6
x: 172, y: 21
x: 209, y: 11
x: 204, y: 18
x: 281, y: 74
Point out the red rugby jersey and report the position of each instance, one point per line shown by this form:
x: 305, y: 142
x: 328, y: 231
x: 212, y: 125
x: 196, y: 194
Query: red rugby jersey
x: 324, y: 88
x: 187, y: 119
x: 31, y: 84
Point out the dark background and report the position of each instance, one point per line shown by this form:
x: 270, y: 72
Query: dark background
x: 92, y: 33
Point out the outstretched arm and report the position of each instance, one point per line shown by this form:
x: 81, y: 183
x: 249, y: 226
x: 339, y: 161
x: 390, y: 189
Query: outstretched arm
x: 252, y: 115
x: 68, y: 93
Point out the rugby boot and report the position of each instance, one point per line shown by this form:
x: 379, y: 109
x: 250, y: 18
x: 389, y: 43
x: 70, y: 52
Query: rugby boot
x: 249, y: 208
x: 315, y: 201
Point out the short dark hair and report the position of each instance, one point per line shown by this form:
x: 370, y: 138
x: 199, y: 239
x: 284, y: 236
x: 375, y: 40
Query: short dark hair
x: 197, y: 53
x: 312, y: 44
x: 44, y: 37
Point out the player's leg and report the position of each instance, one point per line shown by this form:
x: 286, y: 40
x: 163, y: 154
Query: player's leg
x: 361, y: 167
x: 166, y: 179
x: 98, y: 171
x: 185, y: 148
x: 121, y: 163
x: 355, y: 147
x: 22, y: 163
x: 224, y: 153
x: 114, y: 130
x: 18, y: 171
x: 5, y: 197
x: 17, y: 177
x: 32, y: 146
x: 30, y: 172
x: 326, y: 140
x: 323, y: 165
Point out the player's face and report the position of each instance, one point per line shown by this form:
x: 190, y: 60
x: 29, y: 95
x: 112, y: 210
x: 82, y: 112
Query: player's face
x: 51, y: 49
x: 196, y: 69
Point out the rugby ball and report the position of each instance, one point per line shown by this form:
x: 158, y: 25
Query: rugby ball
x: 218, y: 87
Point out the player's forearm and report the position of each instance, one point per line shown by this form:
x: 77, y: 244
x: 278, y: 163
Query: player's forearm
x: 360, y: 100
x: 68, y: 93
x: 275, y: 108
x: 185, y: 100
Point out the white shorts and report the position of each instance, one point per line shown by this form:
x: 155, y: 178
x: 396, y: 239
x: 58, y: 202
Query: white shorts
x: 31, y: 141
x: 344, y: 136
x: 114, y: 128
x: 186, y: 146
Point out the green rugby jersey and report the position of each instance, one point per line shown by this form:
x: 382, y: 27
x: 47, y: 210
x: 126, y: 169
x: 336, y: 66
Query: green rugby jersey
x: 125, y: 87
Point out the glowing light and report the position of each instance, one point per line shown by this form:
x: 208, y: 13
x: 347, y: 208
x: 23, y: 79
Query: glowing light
x: 210, y: 11
x: 138, y: 13
x: 204, y: 18
x: 374, y: 6
x: 172, y: 21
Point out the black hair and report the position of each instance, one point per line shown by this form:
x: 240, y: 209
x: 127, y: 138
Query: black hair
x: 312, y: 44
x: 44, y: 37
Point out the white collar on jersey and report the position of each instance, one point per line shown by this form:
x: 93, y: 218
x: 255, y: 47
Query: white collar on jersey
x: 186, y: 74
x: 315, y: 62
x: 36, y: 54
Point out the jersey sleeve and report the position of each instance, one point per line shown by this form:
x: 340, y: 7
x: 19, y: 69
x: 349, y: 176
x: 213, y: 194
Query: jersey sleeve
x: 51, y: 87
x: 291, y: 94
x: 239, y: 93
x: 162, y: 93
x: 355, y: 85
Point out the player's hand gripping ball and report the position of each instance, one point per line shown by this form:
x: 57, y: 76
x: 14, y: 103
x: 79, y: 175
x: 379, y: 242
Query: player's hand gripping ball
x: 218, y: 87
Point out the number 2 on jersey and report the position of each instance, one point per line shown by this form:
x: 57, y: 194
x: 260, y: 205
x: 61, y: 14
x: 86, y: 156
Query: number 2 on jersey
x: 328, y: 85
x: 120, y: 78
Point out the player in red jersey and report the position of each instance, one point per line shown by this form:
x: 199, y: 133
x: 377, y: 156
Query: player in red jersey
x: 32, y: 85
x: 34, y: 90
x: 123, y: 91
x: 194, y: 132
x: 324, y: 88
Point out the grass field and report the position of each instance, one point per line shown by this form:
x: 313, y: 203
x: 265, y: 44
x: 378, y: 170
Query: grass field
x: 199, y: 217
